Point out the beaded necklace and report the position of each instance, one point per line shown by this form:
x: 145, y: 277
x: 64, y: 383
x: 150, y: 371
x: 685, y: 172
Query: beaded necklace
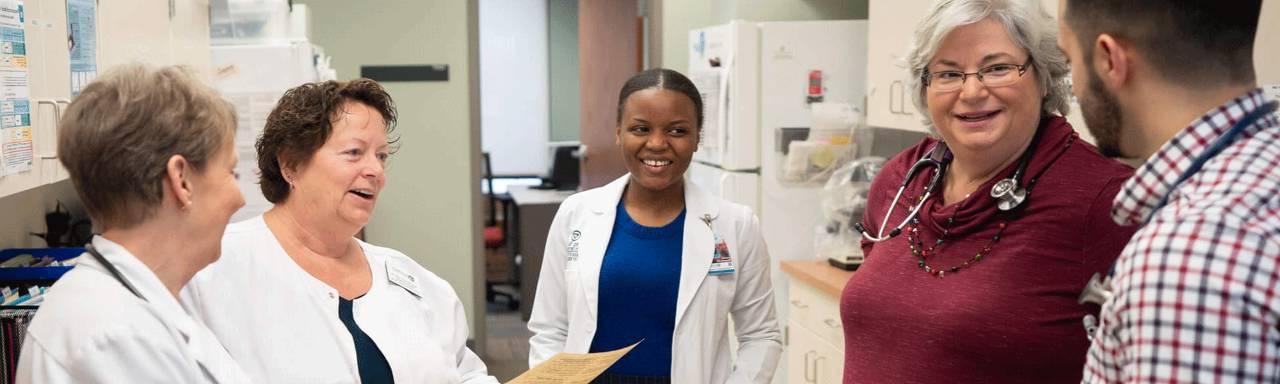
x: 921, y: 254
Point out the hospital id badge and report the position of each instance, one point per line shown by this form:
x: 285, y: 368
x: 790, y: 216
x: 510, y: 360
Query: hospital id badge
x: 721, y: 261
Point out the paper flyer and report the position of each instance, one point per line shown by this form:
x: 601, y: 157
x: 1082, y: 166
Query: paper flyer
x: 16, y: 149
x: 82, y: 40
x: 572, y: 368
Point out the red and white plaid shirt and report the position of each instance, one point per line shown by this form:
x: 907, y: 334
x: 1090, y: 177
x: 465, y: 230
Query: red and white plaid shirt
x: 1197, y: 290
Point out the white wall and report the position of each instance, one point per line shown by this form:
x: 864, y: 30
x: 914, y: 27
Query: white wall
x: 1266, y: 52
x: 514, y: 106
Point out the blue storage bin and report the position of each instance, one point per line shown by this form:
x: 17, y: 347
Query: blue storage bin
x: 35, y: 274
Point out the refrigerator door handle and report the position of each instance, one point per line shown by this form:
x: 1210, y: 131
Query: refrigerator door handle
x: 723, y: 112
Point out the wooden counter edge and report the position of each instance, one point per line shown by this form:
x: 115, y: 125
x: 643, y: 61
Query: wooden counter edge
x: 819, y: 274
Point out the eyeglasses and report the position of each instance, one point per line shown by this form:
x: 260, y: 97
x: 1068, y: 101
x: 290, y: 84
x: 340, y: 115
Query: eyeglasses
x: 997, y: 75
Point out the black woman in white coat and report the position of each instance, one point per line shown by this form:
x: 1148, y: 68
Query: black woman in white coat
x: 652, y: 257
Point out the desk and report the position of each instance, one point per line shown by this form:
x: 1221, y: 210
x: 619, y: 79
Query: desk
x: 533, y: 214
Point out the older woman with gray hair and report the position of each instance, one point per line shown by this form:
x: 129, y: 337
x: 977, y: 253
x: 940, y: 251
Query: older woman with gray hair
x: 978, y: 240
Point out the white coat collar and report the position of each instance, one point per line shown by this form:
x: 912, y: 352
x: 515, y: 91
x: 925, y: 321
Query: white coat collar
x: 702, y: 210
x: 138, y: 274
x: 201, y: 343
x: 697, y: 202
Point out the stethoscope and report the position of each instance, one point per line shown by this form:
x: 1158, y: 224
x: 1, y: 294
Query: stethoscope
x: 1008, y: 192
x: 93, y: 251
x: 1098, y: 290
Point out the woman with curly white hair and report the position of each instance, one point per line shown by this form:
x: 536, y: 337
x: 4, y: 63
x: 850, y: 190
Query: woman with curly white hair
x: 978, y: 240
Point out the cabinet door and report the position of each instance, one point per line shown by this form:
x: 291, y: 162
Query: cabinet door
x: 811, y: 359
x: 828, y: 366
x: 189, y: 36
x: 891, y: 28
x: 133, y: 31
x: 801, y: 352
x: 34, y: 28
x: 54, y: 82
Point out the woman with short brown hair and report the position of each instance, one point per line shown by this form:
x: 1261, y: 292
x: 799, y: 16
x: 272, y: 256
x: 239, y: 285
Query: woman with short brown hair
x: 296, y: 297
x: 151, y: 155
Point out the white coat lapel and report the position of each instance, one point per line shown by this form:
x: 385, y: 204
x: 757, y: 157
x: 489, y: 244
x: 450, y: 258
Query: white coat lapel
x: 699, y: 243
x: 595, y: 234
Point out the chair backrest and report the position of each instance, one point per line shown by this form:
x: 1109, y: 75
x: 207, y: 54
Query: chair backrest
x: 492, y: 218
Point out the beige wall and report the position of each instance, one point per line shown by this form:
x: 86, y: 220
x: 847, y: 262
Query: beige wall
x: 429, y: 208
x: 1266, y: 49
x: 678, y: 17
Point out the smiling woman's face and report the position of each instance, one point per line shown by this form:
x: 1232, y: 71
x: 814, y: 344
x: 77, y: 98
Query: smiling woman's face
x: 977, y: 119
x: 658, y: 134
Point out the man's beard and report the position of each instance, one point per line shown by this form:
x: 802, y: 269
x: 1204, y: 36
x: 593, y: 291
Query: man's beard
x: 1102, y: 116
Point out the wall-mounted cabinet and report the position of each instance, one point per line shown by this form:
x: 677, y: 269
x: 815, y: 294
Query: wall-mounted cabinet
x: 155, y: 32
x: 891, y: 27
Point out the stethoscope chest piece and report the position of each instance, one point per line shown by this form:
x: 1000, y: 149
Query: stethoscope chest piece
x: 1097, y: 290
x: 1007, y: 194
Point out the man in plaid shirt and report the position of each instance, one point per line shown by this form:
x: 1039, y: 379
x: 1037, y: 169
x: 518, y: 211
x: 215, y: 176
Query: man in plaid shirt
x: 1195, y: 295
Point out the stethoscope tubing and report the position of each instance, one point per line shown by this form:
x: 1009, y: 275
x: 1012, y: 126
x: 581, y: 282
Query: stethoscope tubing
x: 93, y: 251
x: 938, y: 157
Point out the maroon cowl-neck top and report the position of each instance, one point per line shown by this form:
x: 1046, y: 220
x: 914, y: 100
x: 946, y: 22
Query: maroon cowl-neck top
x: 1011, y: 317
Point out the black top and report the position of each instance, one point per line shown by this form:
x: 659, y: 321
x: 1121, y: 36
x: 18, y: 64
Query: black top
x: 373, y: 365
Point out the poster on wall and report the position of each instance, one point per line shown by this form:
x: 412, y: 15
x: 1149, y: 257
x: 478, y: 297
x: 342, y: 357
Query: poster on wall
x: 82, y: 40
x: 16, y: 148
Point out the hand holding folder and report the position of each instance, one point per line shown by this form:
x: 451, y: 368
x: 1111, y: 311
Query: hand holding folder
x: 572, y: 368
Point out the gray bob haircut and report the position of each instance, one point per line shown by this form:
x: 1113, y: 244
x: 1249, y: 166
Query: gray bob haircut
x: 1028, y: 25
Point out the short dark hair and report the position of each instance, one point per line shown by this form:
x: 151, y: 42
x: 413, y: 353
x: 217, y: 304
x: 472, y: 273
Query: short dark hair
x: 303, y: 120
x: 116, y: 138
x: 1191, y: 42
x: 661, y: 78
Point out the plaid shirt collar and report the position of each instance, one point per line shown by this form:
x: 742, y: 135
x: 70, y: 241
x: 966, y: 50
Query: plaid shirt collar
x: 1153, y: 180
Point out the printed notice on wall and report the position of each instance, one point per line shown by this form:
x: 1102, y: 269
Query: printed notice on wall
x: 82, y: 32
x: 15, y: 103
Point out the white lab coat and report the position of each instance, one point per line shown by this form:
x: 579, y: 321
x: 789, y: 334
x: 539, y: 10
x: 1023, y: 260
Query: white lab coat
x: 564, y: 312
x: 282, y: 324
x: 91, y: 329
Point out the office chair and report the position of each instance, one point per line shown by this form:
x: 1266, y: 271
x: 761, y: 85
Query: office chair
x: 494, y: 238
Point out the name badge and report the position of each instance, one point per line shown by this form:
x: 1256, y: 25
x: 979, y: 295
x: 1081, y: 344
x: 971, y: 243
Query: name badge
x: 405, y: 280
x: 721, y: 261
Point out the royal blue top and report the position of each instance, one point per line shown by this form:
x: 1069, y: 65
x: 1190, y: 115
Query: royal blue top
x: 639, y: 280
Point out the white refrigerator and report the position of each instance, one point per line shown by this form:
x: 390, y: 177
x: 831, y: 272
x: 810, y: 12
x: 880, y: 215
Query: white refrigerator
x: 757, y: 78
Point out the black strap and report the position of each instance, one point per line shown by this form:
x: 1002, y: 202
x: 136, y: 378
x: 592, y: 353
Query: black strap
x: 93, y: 251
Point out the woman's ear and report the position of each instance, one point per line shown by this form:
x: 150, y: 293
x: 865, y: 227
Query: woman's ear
x: 286, y: 170
x: 177, y: 172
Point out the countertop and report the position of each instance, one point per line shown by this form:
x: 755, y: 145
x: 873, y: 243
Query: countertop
x: 819, y: 274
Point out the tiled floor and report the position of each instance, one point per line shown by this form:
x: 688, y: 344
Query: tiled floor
x: 508, y: 344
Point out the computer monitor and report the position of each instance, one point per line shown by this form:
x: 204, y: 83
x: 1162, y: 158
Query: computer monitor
x: 563, y: 175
